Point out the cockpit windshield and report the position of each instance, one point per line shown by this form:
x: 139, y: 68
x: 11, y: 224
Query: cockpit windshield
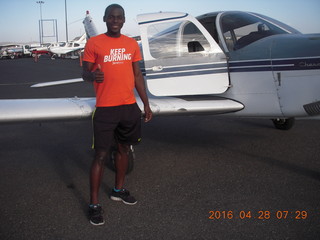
x: 240, y: 29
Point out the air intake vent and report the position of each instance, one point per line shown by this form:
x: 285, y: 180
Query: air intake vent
x: 312, y: 108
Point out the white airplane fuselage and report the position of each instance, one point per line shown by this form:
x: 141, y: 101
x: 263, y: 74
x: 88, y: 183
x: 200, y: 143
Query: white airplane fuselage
x: 283, y: 82
x: 268, y: 67
x: 69, y: 47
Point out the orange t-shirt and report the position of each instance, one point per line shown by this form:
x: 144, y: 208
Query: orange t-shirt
x: 115, y: 56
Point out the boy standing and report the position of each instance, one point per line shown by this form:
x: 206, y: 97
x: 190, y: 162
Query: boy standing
x: 111, y: 62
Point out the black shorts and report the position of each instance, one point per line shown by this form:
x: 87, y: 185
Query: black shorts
x: 121, y: 124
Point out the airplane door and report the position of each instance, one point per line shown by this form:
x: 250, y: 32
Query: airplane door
x: 180, y: 56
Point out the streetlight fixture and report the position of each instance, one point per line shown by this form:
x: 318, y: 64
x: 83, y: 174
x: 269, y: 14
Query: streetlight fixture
x: 40, y: 23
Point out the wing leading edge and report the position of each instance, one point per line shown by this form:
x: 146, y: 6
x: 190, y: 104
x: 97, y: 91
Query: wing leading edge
x: 37, y: 110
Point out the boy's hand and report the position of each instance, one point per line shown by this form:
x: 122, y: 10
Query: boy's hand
x: 147, y: 114
x: 98, y: 75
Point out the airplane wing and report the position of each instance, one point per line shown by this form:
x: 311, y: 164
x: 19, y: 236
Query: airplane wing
x: 37, y: 110
x: 61, y: 50
x: 59, y: 82
x: 22, y: 110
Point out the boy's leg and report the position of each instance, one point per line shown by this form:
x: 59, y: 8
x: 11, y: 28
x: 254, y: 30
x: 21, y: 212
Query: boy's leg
x: 121, y: 164
x: 96, y: 173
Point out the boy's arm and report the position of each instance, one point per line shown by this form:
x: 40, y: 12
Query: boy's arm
x: 141, y: 89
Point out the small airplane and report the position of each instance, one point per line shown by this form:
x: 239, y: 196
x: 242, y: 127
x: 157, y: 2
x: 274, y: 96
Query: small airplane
x: 44, y: 48
x: 69, y: 48
x: 232, y: 63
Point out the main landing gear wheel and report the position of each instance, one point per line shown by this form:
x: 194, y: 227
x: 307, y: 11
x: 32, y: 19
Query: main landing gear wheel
x: 283, y: 123
x: 111, y: 162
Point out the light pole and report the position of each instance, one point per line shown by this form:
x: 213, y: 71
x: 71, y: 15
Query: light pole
x: 40, y: 24
x: 65, y: 10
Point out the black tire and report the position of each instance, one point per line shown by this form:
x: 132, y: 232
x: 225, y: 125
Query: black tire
x: 283, y: 123
x: 111, y: 161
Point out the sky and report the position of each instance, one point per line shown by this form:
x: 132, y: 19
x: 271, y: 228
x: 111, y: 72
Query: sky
x: 20, y: 18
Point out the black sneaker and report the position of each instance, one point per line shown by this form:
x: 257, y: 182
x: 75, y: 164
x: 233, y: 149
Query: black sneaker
x: 124, y: 196
x: 95, y: 215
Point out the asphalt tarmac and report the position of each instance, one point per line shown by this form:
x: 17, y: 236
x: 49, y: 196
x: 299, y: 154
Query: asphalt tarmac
x: 200, y: 177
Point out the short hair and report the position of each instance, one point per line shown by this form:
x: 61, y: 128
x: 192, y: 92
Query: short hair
x: 108, y: 9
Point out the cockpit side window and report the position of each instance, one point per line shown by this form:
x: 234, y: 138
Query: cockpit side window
x: 242, y: 29
x: 176, y: 39
x: 209, y: 24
